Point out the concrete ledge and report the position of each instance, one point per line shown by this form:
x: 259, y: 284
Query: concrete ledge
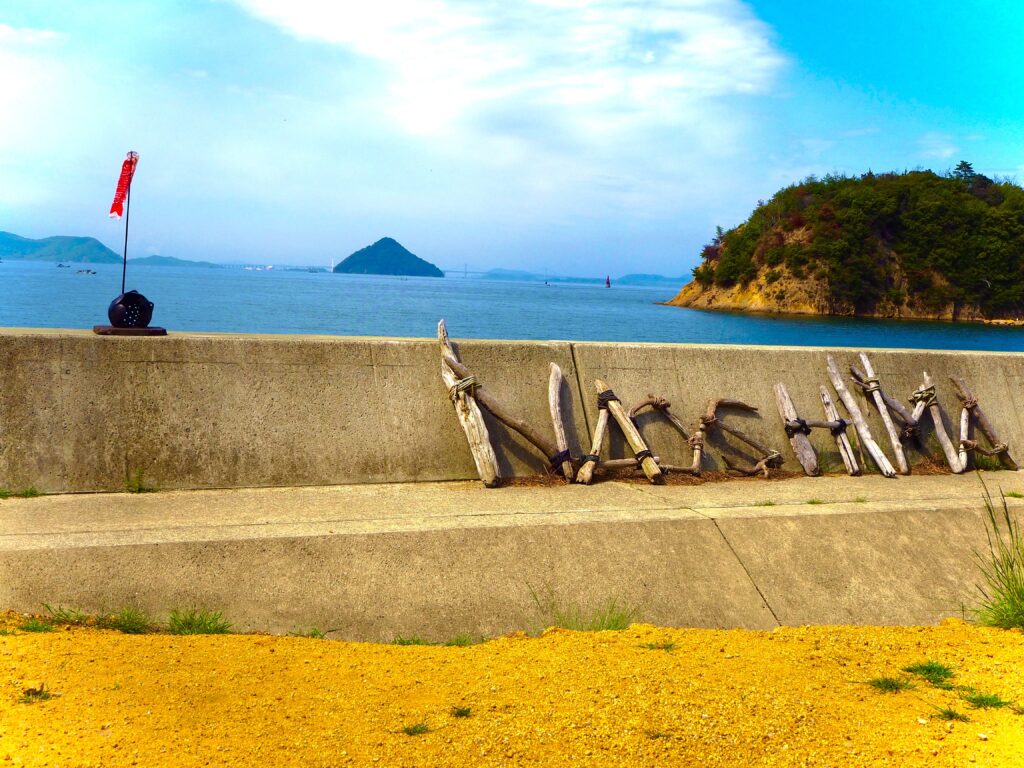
x: 438, y: 559
x: 83, y: 413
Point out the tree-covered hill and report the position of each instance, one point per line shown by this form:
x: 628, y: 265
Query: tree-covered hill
x: 387, y: 257
x: 61, y: 248
x: 913, y: 244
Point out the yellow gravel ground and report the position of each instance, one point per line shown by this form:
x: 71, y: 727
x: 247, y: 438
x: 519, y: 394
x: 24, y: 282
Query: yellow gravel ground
x: 791, y: 697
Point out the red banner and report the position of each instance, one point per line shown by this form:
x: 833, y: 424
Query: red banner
x: 123, y: 184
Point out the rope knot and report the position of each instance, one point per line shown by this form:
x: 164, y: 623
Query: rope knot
x: 797, y: 427
x: 871, y: 385
x: 603, y: 398
x: 468, y: 384
x: 924, y: 395
x: 970, y: 402
x: 910, y: 432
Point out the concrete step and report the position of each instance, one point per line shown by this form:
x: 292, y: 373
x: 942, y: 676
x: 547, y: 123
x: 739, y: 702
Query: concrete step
x: 439, y: 559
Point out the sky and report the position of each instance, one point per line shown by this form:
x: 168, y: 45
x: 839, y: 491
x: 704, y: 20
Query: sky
x: 572, y: 137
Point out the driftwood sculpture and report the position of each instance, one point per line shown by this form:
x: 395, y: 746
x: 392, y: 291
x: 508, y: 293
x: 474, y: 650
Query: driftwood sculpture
x: 609, y: 406
x: 461, y: 392
x: 970, y: 406
x: 876, y: 453
x: 838, y: 429
x: 770, y: 458
x: 558, y: 421
x: 924, y: 398
x: 911, y: 429
x: 663, y: 406
x: 488, y: 402
x: 873, y: 389
x: 590, y: 460
x: 797, y: 430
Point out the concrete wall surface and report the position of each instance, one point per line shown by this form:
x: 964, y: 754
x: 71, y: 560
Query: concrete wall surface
x: 79, y: 412
x: 439, y: 559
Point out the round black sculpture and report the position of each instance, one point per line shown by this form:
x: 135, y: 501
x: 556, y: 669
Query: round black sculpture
x: 130, y: 310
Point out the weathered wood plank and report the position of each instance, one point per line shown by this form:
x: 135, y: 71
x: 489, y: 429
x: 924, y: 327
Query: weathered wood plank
x: 873, y: 449
x: 927, y: 394
x: 632, y: 435
x: 586, y: 473
x: 797, y: 435
x: 970, y: 402
x: 558, y: 419
x: 872, y: 388
x: 842, y: 441
x: 488, y: 401
x: 468, y: 413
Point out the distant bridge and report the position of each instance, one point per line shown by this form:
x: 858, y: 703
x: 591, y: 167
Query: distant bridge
x: 463, y: 270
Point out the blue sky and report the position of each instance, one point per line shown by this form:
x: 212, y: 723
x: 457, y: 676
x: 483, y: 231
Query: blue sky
x: 562, y: 135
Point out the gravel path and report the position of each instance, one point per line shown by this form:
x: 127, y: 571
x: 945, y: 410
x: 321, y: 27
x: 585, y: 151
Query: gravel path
x: 645, y: 696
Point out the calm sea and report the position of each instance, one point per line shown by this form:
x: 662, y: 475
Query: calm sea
x: 39, y: 295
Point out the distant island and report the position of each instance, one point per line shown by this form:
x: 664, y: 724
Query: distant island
x: 85, y: 250
x: 534, y: 277
x: 387, y: 257
x: 905, y: 245
x: 171, y: 261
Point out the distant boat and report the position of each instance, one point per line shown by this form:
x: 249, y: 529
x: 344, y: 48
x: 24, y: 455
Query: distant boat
x: 607, y: 281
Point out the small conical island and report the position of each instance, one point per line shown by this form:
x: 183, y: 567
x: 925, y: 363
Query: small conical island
x: 387, y: 257
x: 910, y: 245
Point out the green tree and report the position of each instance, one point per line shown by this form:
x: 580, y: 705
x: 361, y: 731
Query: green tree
x: 964, y: 171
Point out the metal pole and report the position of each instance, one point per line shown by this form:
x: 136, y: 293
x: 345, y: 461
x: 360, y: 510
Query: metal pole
x: 127, y: 211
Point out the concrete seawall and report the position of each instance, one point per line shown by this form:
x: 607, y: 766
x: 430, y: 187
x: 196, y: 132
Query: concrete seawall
x: 82, y: 413
x: 384, y: 543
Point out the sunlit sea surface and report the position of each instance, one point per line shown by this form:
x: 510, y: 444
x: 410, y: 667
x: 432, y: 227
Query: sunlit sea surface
x: 40, y: 295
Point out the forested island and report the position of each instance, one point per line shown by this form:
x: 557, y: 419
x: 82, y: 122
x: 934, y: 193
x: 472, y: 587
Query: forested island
x: 85, y: 250
x: 387, y: 257
x: 915, y: 244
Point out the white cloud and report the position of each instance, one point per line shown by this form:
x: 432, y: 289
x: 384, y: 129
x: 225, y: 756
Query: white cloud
x: 595, y: 66
x: 27, y: 37
x: 938, y: 146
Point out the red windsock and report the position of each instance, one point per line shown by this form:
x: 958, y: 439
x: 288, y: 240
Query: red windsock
x: 123, y: 184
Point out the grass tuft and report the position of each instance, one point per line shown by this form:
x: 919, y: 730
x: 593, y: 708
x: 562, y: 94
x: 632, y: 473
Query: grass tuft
x: 1002, y: 569
x: 860, y: 500
x: 815, y: 501
x: 935, y: 672
x: 410, y: 640
x: 613, y: 614
x: 986, y: 701
x: 130, y: 621
x: 197, y: 622
x: 890, y: 684
x: 658, y: 735
x: 27, y: 493
x: 659, y: 646
x: 986, y: 463
x: 1014, y: 495
x: 461, y: 711
x: 32, y: 695
x: 36, y: 625
x: 416, y: 729
x: 462, y: 640
x: 945, y: 713
x: 766, y: 503
x: 137, y: 484
x: 66, y: 616
x: 314, y: 633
